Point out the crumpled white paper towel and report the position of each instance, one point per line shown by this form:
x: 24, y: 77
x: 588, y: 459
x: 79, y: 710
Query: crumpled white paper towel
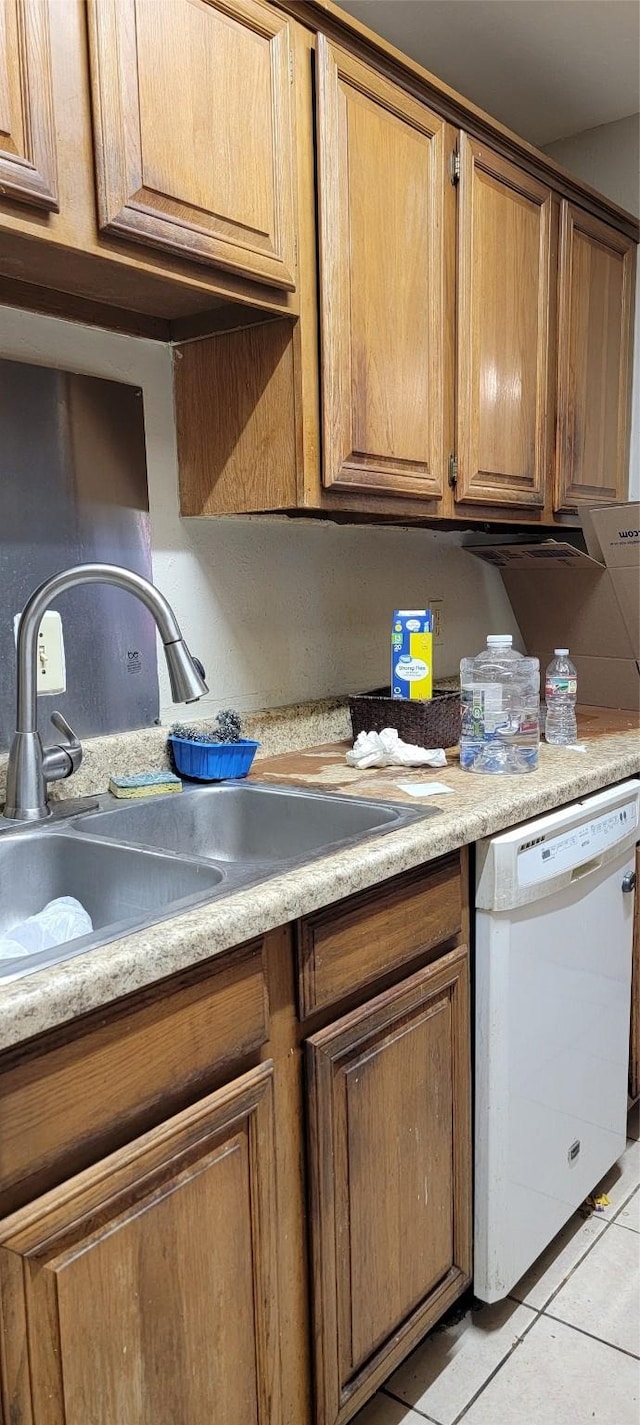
x: 386, y: 749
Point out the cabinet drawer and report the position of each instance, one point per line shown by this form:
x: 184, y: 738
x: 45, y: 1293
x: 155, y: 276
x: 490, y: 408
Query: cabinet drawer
x: 349, y: 945
x: 63, y: 1106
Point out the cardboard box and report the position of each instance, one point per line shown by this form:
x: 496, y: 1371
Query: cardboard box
x: 588, y: 603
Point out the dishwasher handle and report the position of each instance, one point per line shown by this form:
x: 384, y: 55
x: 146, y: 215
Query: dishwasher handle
x: 629, y: 881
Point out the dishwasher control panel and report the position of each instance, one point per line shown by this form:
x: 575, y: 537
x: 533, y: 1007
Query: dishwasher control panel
x: 548, y: 856
x: 535, y: 860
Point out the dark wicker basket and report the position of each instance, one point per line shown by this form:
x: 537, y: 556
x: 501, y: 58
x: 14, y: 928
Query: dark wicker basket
x: 434, y: 722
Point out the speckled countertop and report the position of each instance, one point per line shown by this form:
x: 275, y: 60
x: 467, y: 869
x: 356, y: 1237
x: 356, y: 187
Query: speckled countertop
x: 477, y: 806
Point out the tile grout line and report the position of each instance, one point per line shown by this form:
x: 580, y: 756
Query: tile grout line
x: 415, y: 1408
x: 541, y: 1309
x: 538, y: 1312
x: 590, y: 1336
x: 512, y: 1349
x: 607, y: 1223
x: 390, y: 1396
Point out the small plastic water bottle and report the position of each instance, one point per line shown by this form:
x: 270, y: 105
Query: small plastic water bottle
x: 560, y: 690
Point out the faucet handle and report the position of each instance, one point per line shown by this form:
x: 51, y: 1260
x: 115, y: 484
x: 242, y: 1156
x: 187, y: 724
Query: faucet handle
x: 72, y: 746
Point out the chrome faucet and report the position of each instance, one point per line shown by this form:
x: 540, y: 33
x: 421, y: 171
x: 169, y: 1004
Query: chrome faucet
x: 31, y: 765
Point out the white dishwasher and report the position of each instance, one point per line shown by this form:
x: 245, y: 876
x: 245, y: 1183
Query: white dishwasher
x: 554, y: 925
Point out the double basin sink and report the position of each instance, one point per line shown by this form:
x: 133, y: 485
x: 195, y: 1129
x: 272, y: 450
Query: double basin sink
x: 135, y: 863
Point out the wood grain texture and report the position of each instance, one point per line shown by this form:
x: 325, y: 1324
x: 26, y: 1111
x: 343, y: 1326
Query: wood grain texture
x: 330, y: 19
x: 634, y: 1031
x: 193, y: 130
x: 390, y: 1183
x: 28, y: 162
x: 65, y: 251
x: 381, y: 181
x: 149, y: 1286
x: 285, y: 1053
x: 503, y: 331
x: 60, y: 1107
x: 236, y: 421
x: 595, y: 319
x: 353, y: 942
x: 30, y: 297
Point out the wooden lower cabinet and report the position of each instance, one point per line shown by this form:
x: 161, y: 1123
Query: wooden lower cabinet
x: 390, y: 1183
x: 144, y: 1291
x: 165, y: 1159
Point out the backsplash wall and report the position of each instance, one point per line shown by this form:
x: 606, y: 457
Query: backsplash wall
x: 73, y: 485
x: 278, y: 610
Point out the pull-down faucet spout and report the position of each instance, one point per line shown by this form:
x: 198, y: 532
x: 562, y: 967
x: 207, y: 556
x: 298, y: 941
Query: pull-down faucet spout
x: 30, y: 765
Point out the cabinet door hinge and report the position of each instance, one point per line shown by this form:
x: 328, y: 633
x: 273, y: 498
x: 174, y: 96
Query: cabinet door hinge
x: 454, y: 167
x: 453, y: 471
x: 291, y: 66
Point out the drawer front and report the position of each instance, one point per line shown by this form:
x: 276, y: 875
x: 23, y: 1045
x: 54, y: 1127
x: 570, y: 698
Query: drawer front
x: 352, y: 944
x: 63, y: 1107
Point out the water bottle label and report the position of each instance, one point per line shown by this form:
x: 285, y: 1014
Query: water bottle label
x: 557, y: 683
x: 481, y: 709
x: 486, y: 719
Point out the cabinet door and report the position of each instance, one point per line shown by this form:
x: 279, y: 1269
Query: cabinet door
x: 385, y: 306
x: 27, y: 147
x: 505, y: 244
x: 193, y: 136
x: 144, y: 1291
x: 390, y: 1176
x: 595, y: 306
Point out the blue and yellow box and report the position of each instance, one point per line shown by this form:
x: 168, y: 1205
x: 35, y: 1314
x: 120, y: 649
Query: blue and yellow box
x: 411, y: 654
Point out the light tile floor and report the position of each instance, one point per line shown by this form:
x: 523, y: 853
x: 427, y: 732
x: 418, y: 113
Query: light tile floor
x: 563, y: 1349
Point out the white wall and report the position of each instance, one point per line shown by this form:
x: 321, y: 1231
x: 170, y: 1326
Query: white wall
x: 608, y: 157
x: 279, y: 610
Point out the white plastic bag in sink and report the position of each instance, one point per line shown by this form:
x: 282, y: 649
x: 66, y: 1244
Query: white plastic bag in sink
x: 60, y: 920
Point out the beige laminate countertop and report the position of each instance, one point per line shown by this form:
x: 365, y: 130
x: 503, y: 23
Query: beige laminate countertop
x: 478, y: 806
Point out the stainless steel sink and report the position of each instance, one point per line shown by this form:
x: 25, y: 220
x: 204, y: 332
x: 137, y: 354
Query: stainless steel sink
x: 121, y: 887
x: 132, y: 864
x: 244, y: 823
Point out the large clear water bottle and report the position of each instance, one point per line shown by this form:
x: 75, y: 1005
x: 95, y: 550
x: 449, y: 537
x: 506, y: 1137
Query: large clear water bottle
x: 560, y: 691
x: 500, y: 694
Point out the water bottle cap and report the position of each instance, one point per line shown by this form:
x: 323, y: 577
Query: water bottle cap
x: 561, y: 652
x: 493, y: 639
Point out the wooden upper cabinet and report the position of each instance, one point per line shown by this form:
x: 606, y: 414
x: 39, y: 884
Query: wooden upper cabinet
x: 385, y: 307
x: 505, y: 249
x: 193, y: 130
x: 144, y: 1291
x: 28, y: 172
x: 595, y: 307
x: 389, y: 1117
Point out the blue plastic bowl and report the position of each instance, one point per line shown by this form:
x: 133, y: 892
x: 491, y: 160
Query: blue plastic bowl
x: 212, y: 761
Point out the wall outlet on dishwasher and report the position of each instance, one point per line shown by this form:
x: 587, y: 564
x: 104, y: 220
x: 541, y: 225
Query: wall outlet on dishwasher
x: 52, y: 672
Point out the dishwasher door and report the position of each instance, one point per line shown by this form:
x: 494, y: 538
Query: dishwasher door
x: 553, y: 985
